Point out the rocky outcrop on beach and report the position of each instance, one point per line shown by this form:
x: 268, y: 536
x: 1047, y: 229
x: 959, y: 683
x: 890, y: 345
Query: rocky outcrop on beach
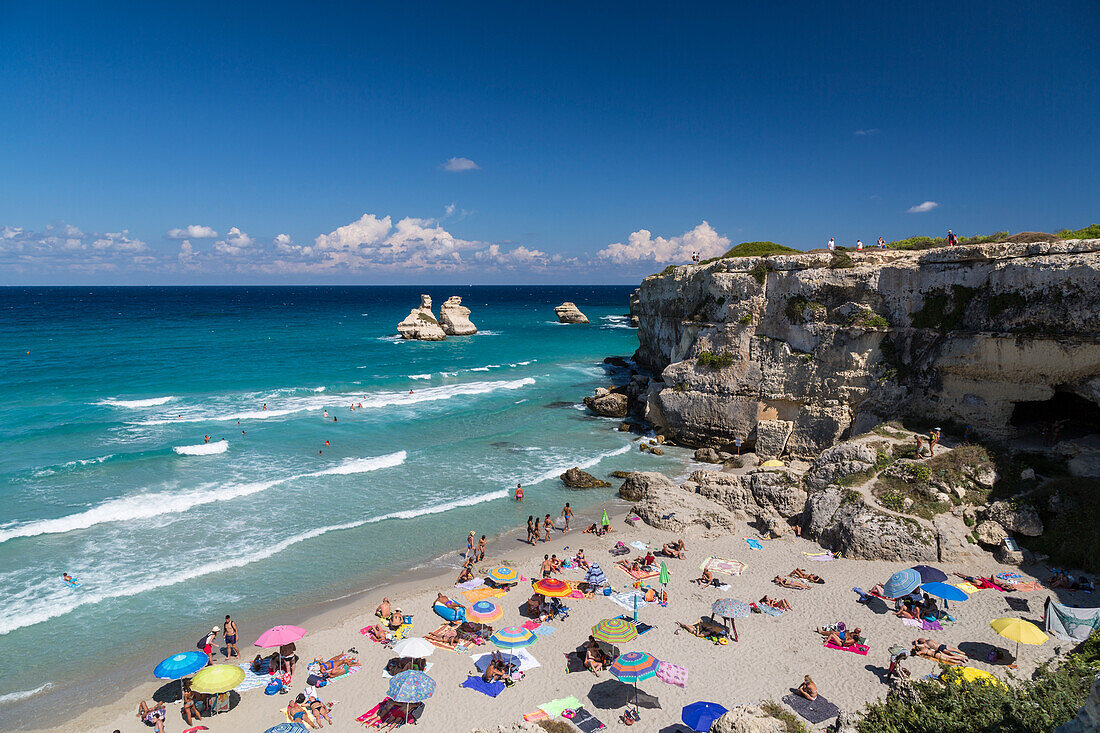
x: 454, y: 318
x: 792, y: 353
x: 575, y: 478
x: 568, y: 312
x: 747, y: 719
x: 608, y: 402
x: 420, y: 324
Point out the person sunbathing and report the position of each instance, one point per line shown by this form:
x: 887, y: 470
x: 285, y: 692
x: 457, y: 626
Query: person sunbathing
x: 844, y: 638
x: 669, y: 550
x: 383, y: 610
x: 445, y: 634
x: 581, y: 561
x: 800, y: 573
x: 443, y: 600
x: 591, y: 529
x: 336, y: 664
x: 296, y: 713
x: 397, y: 620
x: 788, y: 583
x: 321, y: 711
x: 466, y: 575
x: 706, y: 578
x: 151, y: 715
x: 807, y: 689
x: 941, y: 652
x: 780, y: 603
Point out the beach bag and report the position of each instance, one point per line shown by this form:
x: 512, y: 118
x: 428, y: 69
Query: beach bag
x: 202, y: 643
x: 315, y: 681
x: 274, y: 686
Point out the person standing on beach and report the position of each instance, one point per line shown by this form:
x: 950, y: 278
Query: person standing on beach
x: 519, y: 493
x: 547, y: 526
x: 547, y: 566
x: 567, y: 512
x: 207, y: 645
x: 532, y: 533
x: 481, y: 549
x: 470, y: 545
x: 229, y: 631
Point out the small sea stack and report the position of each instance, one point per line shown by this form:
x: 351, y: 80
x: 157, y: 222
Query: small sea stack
x: 455, y: 318
x: 420, y: 324
x: 568, y: 312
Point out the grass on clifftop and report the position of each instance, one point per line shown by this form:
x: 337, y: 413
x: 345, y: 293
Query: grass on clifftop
x: 1089, y: 232
x: 760, y: 249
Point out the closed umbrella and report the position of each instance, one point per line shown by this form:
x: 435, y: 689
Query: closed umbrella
x: 605, y: 521
x: 485, y: 612
x: 410, y: 686
x: 700, y: 716
x: 1019, y: 631
x: 553, y: 588
x: 633, y: 667
x: 930, y: 574
x: 902, y: 583
x: 414, y: 647
x: 615, y: 631
x: 280, y: 635
x: 664, y: 576
x: 513, y: 637
x: 595, y: 576
x: 503, y: 574
x: 217, y: 678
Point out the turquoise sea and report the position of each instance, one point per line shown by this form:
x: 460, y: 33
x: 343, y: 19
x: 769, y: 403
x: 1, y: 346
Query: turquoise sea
x: 106, y: 396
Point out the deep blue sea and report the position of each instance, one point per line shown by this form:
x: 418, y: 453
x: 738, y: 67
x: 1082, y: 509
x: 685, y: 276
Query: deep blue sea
x: 107, y: 395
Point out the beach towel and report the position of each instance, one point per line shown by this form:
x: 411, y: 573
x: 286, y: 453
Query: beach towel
x: 536, y: 716
x: 531, y: 625
x: 544, y: 630
x: 1017, y: 604
x: 626, y: 599
x: 673, y: 674
x: 722, y: 565
x: 770, y: 610
x: 619, y: 551
x: 471, y: 584
x: 637, y: 574
x: 1026, y: 586
x: 927, y: 625
x: 441, y: 644
x: 521, y: 657
x: 387, y: 675
x: 492, y: 689
x: 251, y: 679
x: 911, y: 622
x: 967, y: 587
x: 821, y: 556
x: 932, y: 658
x: 554, y: 707
x: 861, y: 649
x: 1070, y: 624
x: 754, y: 543
x: 815, y: 711
x: 370, y: 718
x: 308, y: 719
x: 586, y: 721
x: 480, y: 594
x: 643, y: 546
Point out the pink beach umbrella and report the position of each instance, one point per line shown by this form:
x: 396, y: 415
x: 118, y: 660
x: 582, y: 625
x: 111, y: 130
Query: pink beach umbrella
x: 280, y: 635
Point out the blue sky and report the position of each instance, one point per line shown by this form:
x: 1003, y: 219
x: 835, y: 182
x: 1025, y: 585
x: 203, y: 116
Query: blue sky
x: 512, y: 143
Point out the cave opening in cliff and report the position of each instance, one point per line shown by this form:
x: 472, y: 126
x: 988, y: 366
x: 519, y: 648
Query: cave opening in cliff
x: 1064, y: 416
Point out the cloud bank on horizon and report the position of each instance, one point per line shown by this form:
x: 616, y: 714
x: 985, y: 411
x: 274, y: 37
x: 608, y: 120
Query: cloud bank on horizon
x: 371, y: 244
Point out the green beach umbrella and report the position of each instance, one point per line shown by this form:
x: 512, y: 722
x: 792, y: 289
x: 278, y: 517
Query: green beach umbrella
x: 606, y: 522
x: 663, y: 577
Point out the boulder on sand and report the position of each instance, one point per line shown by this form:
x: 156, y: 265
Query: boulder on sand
x: 420, y: 324
x: 747, y: 719
x: 455, y: 318
x: 575, y: 478
x: 568, y: 312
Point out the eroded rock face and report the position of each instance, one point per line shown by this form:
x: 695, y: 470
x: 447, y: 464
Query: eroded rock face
x: 420, y: 324
x: 990, y: 533
x: 575, y: 478
x: 747, y: 719
x: 1021, y: 520
x: 957, y: 334
x: 568, y: 312
x: 662, y: 504
x: 608, y: 404
x: 846, y: 524
x: 839, y: 461
x: 454, y: 318
x: 772, y: 436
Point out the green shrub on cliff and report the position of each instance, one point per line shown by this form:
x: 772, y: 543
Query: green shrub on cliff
x: 710, y: 360
x: 1089, y: 232
x: 921, y: 243
x: 797, y: 306
x: 759, y: 249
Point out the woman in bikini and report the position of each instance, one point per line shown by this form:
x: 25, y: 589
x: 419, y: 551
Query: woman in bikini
x: 581, y: 561
x: 779, y: 603
x: 547, y: 525
x: 807, y: 689
x: 800, y: 573
x: 319, y: 709
x: 788, y: 583
x: 336, y: 663
x: 844, y: 638
x: 151, y: 715
x: 532, y: 533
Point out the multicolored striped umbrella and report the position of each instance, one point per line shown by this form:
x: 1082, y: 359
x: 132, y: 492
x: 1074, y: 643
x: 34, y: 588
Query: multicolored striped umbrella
x: 513, y: 637
x: 730, y: 608
x: 504, y: 574
x: 553, y: 588
x: 411, y: 686
x: 635, y: 666
x: 615, y: 630
x: 485, y: 612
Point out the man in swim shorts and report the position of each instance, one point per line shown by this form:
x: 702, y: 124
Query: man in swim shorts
x: 547, y: 566
x: 229, y: 631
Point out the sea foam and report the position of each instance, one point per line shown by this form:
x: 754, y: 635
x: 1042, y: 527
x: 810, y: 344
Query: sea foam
x: 137, y: 404
x: 202, y: 449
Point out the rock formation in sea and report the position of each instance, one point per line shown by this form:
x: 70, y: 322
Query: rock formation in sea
x: 792, y: 353
x: 420, y: 324
x: 575, y: 478
x: 455, y: 318
x: 568, y: 312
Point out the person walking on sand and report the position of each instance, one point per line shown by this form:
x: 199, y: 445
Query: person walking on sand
x: 519, y: 493
x: 832, y: 244
x: 547, y: 526
x: 207, y: 645
x: 567, y: 513
x: 933, y: 441
x: 481, y: 549
x: 229, y: 632
x: 532, y: 532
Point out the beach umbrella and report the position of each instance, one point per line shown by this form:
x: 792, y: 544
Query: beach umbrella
x: 606, y: 521
x: 930, y: 574
x: 485, y: 612
x: 288, y: 728
x: 553, y: 588
x: 414, y: 647
x: 633, y: 667
x: 1019, y: 631
x: 901, y: 583
x: 730, y: 608
x: 700, y: 716
x: 615, y: 631
x: 280, y: 635
x: 180, y: 665
x: 946, y: 592
x: 503, y: 574
x: 664, y: 576
x: 973, y: 674
x: 410, y: 686
x: 217, y: 678
x: 513, y: 637
x: 595, y: 576
x: 486, y: 659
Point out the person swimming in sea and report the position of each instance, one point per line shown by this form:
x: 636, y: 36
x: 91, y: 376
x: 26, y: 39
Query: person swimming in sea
x: 67, y: 578
x: 206, y: 438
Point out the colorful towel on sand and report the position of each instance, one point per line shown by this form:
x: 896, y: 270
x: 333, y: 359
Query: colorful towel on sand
x: 1026, y: 586
x: 637, y: 574
x: 441, y: 644
x: 536, y: 716
x: 722, y: 565
x: 816, y: 711
x: 251, y: 679
x: 927, y: 625
x: 471, y: 584
x: 370, y: 718
x: 820, y: 556
x: 673, y: 674
x: 492, y: 689
x: 480, y: 594
x: 932, y: 658
x: 531, y: 625
x: 861, y: 649
x: 554, y: 707
x: 626, y: 599
x: 754, y: 543
x: 544, y: 630
x: 586, y: 721
x: 967, y: 588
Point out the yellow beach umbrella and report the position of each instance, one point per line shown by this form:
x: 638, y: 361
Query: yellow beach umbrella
x: 217, y: 678
x: 1019, y: 631
x: 973, y: 674
x: 773, y: 463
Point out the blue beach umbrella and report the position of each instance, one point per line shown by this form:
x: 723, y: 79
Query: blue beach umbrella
x: 930, y: 574
x: 595, y: 576
x: 288, y: 728
x: 945, y: 591
x: 180, y: 665
x: 902, y: 583
x: 411, y: 686
x: 700, y: 716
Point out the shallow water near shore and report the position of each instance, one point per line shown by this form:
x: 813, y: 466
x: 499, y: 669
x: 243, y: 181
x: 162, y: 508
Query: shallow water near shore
x: 104, y: 472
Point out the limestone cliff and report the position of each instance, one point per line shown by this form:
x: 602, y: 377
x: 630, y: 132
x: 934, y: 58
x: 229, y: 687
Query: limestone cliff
x: 800, y: 351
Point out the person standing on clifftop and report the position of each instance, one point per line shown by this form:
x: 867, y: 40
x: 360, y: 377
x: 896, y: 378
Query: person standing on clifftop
x: 859, y: 245
x: 832, y: 244
x: 881, y: 243
x: 952, y: 240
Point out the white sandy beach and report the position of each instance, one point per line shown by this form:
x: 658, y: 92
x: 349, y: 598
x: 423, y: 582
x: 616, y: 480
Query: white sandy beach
x: 771, y: 657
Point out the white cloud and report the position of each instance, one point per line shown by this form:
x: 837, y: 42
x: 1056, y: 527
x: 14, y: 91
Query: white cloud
x: 283, y: 243
x: 870, y: 131
x: 235, y: 244
x: 641, y: 246
x: 450, y: 210
x: 67, y: 247
x: 922, y: 208
x: 519, y: 256
x: 192, y: 231
x: 457, y: 165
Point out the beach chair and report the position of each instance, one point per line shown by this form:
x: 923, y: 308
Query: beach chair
x: 221, y: 703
